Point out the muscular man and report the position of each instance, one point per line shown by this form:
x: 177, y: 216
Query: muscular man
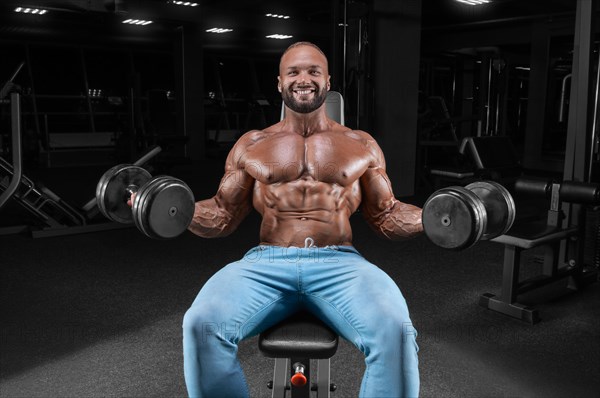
x: 305, y: 175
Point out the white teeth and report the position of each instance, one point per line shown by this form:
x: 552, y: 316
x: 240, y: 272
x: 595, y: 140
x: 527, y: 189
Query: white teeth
x: 304, y: 92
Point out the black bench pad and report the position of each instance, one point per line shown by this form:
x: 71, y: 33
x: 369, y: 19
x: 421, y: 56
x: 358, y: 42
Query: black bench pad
x: 302, y: 335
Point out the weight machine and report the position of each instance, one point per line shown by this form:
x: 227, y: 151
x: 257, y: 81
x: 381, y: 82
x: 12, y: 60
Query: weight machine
x: 55, y: 216
x: 549, y: 235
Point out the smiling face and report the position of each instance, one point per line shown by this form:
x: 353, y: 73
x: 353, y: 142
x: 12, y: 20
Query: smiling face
x: 303, y: 78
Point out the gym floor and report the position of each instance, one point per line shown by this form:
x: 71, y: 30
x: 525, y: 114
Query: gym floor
x: 99, y: 314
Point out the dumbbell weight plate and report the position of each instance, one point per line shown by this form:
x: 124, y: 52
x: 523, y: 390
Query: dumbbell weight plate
x: 454, y: 218
x: 154, y: 219
x: 168, y: 210
x: 112, y: 194
x: 164, y: 208
x: 499, y: 204
x: 141, y: 202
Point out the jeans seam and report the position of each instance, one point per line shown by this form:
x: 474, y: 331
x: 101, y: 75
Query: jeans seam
x: 299, y: 268
x: 366, y: 374
x: 261, y: 309
x: 340, y: 313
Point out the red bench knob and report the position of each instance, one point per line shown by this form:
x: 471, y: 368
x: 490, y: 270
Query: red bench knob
x: 298, y: 379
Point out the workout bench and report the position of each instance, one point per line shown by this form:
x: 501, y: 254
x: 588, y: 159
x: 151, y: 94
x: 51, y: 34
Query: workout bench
x: 293, y: 343
x: 551, y: 235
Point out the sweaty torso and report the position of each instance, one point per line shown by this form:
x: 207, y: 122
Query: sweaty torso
x: 306, y: 186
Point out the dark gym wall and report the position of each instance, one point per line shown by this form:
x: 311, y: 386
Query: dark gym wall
x: 396, y: 70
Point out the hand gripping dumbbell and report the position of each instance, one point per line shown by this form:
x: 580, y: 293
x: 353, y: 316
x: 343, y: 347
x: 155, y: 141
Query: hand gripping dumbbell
x: 457, y: 218
x: 162, y: 207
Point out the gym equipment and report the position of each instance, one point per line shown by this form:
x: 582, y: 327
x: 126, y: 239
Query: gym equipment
x: 55, y: 216
x: 293, y: 343
x: 551, y: 235
x: 17, y: 163
x: 162, y: 207
x: 492, y: 157
x: 456, y: 218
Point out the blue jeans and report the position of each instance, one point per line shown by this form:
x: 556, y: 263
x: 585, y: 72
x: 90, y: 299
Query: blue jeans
x: 354, y: 297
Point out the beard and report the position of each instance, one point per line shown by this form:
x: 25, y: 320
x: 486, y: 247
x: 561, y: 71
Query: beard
x: 304, y: 106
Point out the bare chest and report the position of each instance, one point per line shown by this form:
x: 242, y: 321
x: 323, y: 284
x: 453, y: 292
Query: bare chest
x: 329, y: 158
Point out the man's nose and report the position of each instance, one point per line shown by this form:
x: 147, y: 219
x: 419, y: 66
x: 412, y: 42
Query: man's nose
x: 304, y: 77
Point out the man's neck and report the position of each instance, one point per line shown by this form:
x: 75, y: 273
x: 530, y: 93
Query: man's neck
x: 306, y: 124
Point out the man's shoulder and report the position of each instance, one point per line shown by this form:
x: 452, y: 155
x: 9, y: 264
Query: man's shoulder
x: 257, y: 135
x: 359, y: 135
x: 250, y: 138
x: 249, y: 141
x: 369, y: 144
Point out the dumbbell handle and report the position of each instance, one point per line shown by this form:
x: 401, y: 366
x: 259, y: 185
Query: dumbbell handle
x: 132, y: 189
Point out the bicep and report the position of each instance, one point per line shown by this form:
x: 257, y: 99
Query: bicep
x: 375, y: 183
x: 235, y: 190
x: 377, y: 194
x: 388, y: 216
x: 384, y: 213
x: 221, y: 214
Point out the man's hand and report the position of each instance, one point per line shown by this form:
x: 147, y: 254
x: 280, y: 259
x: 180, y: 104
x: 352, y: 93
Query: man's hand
x: 131, y: 199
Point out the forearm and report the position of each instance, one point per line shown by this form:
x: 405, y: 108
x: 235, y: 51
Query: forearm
x: 398, y: 221
x: 213, y: 221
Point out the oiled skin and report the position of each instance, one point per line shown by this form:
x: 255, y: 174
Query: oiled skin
x: 305, y: 175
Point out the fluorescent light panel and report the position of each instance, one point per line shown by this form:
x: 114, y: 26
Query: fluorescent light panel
x: 28, y: 10
x: 137, y: 22
x: 279, y: 37
x: 277, y: 16
x: 219, y: 30
x: 184, y: 3
x: 474, y: 2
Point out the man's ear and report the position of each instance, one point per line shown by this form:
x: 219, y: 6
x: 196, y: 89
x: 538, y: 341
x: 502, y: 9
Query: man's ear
x: 328, y: 83
x: 279, y: 84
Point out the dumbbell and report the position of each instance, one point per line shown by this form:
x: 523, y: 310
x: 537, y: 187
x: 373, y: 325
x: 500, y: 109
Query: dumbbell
x: 162, y: 208
x: 458, y: 217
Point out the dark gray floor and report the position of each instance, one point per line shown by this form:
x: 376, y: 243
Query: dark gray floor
x: 99, y: 315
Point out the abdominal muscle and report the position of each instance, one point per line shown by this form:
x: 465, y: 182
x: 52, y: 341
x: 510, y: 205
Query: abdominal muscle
x: 294, y: 211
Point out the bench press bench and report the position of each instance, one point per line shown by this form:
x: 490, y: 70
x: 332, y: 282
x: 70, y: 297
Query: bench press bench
x: 552, y: 235
x: 293, y: 343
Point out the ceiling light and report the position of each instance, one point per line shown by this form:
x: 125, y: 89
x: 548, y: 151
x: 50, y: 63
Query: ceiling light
x: 95, y: 93
x: 219, y: 30
x: 26, y: 10
x: 277, y: 16
x: 137, y: 22
x: 184, y: 3
x: 279, y: 37
x: 474, y: 2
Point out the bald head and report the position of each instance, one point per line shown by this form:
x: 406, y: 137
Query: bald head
x: 300, y: 44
